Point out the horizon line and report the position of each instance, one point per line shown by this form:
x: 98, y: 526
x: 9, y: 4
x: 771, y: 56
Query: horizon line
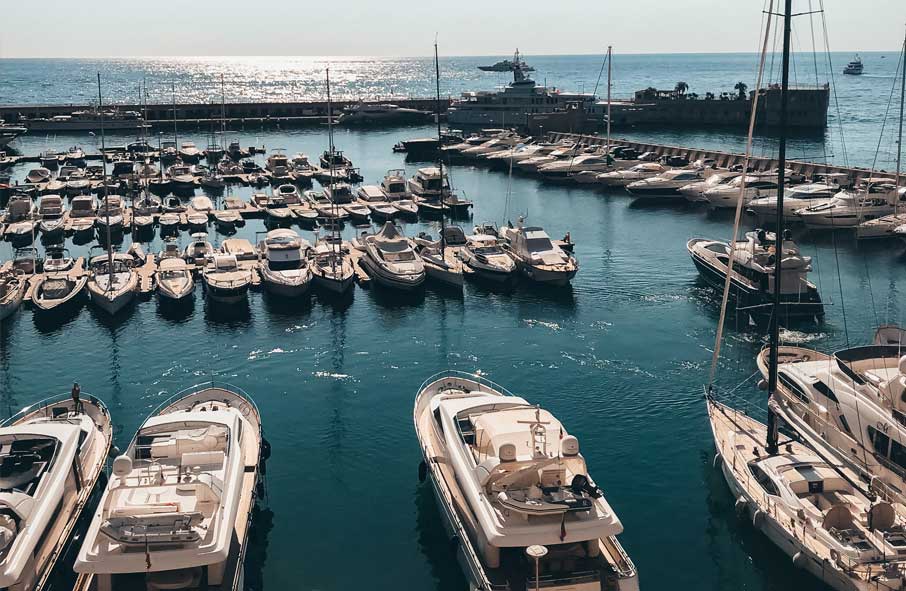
x: 388, y: 56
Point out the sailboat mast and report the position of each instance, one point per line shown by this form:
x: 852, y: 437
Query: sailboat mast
x: 222, y: 113
x: 335, y: 229
x: 609, y: 58
x: 440, y: 158
x: 900, y: 136
x: 778, y: 231
x: 175, y: 137
x: 104, y: 181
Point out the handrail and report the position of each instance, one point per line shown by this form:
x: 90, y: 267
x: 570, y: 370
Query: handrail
x: 203, y: 386
x: 481, y: 380
x: 47, y: 402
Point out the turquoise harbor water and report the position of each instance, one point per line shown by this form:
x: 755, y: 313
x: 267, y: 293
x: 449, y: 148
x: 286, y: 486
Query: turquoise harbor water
x: 620, y: 358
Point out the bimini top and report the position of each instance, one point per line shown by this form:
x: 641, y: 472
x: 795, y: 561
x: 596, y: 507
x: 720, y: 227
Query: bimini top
x: 389, y: 239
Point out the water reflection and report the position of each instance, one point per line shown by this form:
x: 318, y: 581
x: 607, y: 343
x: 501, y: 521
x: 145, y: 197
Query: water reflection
x: 176, y: 312
x: 435, y: 542
x: 235, y: 317
x: 54, y: 321
x: 256, y: 544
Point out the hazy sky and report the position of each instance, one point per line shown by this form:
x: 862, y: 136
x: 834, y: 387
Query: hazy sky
x: 58, y: 28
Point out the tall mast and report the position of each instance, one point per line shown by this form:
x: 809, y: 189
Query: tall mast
x: 900, y: 140
x: 609, y: 58
x: 778, y: 231
x: 334, y: 230
x: 104, y: 181
x: 440, y: 158
x: 175, y: 137
x: 222, y: 113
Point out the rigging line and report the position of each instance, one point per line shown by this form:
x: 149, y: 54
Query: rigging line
x: 742, y: 188
x: 600, y: 73
x: 833, y: 83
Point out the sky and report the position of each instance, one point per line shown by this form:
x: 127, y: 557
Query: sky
x: 407, y: 28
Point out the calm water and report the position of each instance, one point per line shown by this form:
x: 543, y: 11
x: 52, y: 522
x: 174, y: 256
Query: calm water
x: 620, y: 358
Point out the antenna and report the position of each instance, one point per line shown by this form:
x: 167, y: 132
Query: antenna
x: 106, y: 190
x: 440, y: 157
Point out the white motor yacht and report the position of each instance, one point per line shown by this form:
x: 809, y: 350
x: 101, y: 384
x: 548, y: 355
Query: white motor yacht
x: 110, y: 214
x: 111, y: 281
x: 483, y: 254
x: 177, y: 508
x: 362, y: 113
x: 515, y: 491
x: 13, y: 285
x: 175, y: 282
x: 851, y: 207
x: 599, y: 163
x: 621, y: 178
x: 373, y: 197
x: 199, y: 250
x: 537, y: 258
x: 53, y: 453
x: 794, y: 198
x: 695, y: 192
x: 427, y: 184
x: 189, y: 152
x: 82, y: 210
x: 726, y: 195
x: 666, y: 185
x: 50, y: 211
x: 225, y: 281
x: 284, y: 267
x: 391, y: 260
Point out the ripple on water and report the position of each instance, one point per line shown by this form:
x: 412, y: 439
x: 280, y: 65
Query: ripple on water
x: 544, y: 324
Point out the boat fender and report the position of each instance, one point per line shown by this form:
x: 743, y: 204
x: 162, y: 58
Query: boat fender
x: 715, y: 461
x: 758, y: 518
x: 454, y: 543
x: 422, y: 471
x: 113, y: 452
x: 265, y: 449
x: 799, y: 560
x: 741, y: 505
x: 835, y: 556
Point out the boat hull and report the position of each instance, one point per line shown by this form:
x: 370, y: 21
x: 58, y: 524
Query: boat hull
x: 111, y: 304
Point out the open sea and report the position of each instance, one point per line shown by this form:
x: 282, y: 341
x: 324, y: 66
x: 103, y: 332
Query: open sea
x: 620, y: 357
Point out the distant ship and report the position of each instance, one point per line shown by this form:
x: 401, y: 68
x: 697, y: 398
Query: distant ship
x: 854, y: 67
x: 9, y: 132
x: 508, y: 65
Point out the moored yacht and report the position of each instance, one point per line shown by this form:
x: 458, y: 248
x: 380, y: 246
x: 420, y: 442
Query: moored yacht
x: 621, y: 178
x: 391, y: 260
x: 483, y: 254
x: 56, y: 289
x: 174, y: 279
x: 695, y: 192
x: 111, y: 281
x: 331, y: 267
x: 851, y: 207
x: 515, y: 491
x: 727, y: 195
x: 752, y: 280
x: 537, y: 258
x: 855, y: 67
x: 52, y: 453
x: 794, y: 198
x: 599, y: 163
x: 178, y: 505
x: 284, y: 267
x: 224, y: 280
x: 665, y: 185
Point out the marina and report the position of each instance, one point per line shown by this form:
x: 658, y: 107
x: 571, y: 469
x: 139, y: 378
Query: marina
x: 319, y: 321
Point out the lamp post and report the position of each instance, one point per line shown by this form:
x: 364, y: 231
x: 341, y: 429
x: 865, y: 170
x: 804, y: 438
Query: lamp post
x: 537, y: 552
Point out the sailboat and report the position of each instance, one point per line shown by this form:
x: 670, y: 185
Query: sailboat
x: 111, y: 279
x: 441, y: 263
x: 331, y: 266
x: 808, y: 506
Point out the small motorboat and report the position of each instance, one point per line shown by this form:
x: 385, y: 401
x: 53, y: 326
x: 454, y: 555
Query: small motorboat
x: 225, y: 281
x: 189, y: 152
x: 38, y: 175
x: 56, y: 289
x: 284, y: 269
x: 405, y: 207
x: 173, y: 204
x: 484, y: 255
x: 50, y: 211
x: 169, y: 222
x: 13, y: 284
x: 278, y: 212
x: 199, y: 250
x: 391, y: 260
x: 110, y: 214
x: 358, y: 213
x: 227, y: 219
x: 174, y: 279
x: 111, y: 281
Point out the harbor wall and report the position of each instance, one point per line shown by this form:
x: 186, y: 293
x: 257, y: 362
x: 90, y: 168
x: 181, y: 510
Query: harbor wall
x: 161, y: 113
x: 725, y: 159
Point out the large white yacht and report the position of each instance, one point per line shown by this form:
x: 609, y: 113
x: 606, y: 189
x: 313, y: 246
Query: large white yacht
x: 794, y: 198
x: 726, y: 195
x: 810, y: 510
x: 284, y: 263
x: 177, y: 508
x: 594, y: 162
x: 851, y: 207
x: 511, y: 105
x: 515, y: 491
x: 537, y: 258
x: 51, y: 455
x: 622, y: 178
x: 362, y: 113
x: 850, y: 405
x: 88, y: 120
x: 665, y: 185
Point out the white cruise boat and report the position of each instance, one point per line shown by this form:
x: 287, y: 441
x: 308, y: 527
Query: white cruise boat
x: 621, y: 178
x: 808, y: 508
x: 177, y: 509
x: 515, y: 491
x: 10, y: 132
x: 665, y: 185
x: 175, y: 282
x: 511, y: 106
x: 695, y: 192
x: 362, y: 113
x: 537, y: 258
x: 88, y: 120
x: 849, y: 208
x: 794, y: 198
x: 726, y: 195
x: 284, y: 266
x: 52, y: 454
x: 570, y: 166
x: 391, y: 260
x: 483, y: 254
x: 855, y: 67
x: 427, y: 184
x: 850, y: 405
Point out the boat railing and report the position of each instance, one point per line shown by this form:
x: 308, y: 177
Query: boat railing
x: 550, y: 580
x: 213, y: 384
x: 46, y: 405
x: 477, y: 378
